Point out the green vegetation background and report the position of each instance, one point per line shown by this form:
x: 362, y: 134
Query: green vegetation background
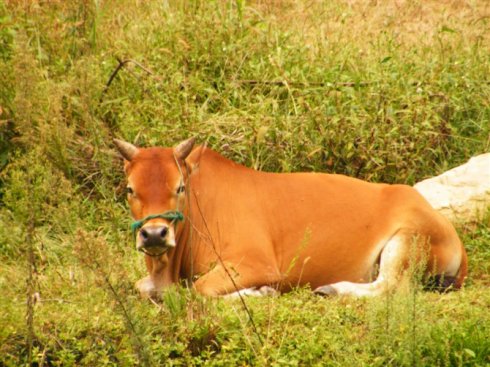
x: 381, y: 90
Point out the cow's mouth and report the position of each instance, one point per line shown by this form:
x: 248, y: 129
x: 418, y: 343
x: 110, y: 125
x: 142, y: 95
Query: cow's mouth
x: 153, y: 251
x: 157, y: 250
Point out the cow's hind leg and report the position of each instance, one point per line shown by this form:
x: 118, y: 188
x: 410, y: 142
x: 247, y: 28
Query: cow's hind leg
x: 394, y: 257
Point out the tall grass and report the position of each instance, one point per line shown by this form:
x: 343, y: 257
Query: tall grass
x: 385, y: 91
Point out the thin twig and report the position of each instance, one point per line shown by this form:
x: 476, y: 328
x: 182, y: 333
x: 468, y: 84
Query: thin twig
x: 56, y: 300
x: 160, y: 308
x: 141, y: 351
x: 43, y: 356
x: 93, y: 263
x: 31, y: 263
x: 121, y: 64
x: 220, y: 259
x: 302, y: 84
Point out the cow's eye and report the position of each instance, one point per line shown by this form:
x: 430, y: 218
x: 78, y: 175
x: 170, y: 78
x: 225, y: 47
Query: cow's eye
x: 129, y: 190
x: 180, y: 189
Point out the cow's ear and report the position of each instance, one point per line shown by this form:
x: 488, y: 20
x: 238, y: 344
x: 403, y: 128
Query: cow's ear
x: 183, y: 149
x: 194, y: 158
x: 127, y: 150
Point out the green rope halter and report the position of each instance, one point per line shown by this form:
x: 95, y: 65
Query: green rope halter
x: 170, y: 215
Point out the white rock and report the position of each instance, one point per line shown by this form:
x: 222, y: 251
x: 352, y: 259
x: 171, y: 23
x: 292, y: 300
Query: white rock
x: 462, y: 194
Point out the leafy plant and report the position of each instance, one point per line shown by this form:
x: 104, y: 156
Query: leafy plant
x: 384, y: 93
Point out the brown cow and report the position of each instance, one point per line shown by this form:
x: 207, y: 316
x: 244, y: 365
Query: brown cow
x: 200, y: 215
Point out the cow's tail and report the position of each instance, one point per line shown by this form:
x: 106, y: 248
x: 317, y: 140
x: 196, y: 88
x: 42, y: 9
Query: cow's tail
x: 444, y: 283
x: 463, y: 269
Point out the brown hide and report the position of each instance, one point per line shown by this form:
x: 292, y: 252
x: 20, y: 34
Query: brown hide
x: 282, y: 230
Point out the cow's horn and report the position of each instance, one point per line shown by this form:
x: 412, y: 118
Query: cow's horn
x: 127, y: 150
x: 184, y: 148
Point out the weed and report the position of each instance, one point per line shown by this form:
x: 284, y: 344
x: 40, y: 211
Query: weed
x: 376, y: 90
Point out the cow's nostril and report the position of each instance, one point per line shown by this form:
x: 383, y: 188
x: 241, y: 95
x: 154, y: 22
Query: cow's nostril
x: 154, y: 236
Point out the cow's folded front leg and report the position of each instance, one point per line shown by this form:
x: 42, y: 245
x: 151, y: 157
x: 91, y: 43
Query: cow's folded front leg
x: 263, y: 291
x: 152, y: 285
x: 147, y: 288
x: 227, y: 279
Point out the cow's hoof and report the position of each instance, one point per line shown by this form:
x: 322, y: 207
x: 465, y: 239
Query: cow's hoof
x: 326, y: 290
x: 265, y: 290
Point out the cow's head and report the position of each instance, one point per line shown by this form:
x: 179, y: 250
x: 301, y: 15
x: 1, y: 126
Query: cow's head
x: 156, y: 184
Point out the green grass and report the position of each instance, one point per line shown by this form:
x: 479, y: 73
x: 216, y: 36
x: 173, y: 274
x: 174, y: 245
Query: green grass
x: 376, y: 91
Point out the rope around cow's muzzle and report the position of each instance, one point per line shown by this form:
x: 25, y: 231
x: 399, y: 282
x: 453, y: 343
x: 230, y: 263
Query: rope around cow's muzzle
x: 173, y: 215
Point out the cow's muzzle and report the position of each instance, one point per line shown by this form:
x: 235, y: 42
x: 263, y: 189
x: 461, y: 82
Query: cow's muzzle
x: 154, y: 240
x: 153, y: 236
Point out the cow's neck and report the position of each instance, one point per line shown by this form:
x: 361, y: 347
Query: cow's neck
x: 202, y: 239
x: 194, y: 246
x: 180, y: 262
